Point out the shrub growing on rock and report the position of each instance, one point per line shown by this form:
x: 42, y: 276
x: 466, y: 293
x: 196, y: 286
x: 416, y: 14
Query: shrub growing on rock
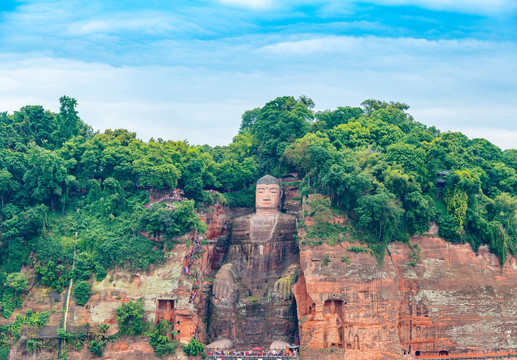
x: 195, y: 347
x: 130, y: 318
x: 82, y: 292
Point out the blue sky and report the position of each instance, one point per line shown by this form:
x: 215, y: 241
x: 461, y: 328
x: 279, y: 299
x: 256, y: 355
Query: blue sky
x: 189, y: 70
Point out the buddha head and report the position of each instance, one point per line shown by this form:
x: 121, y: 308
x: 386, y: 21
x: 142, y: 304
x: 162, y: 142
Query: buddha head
x: 267, y: 195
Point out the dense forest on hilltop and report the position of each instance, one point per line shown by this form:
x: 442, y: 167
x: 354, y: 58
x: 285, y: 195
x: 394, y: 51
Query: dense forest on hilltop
x: 65, y: 188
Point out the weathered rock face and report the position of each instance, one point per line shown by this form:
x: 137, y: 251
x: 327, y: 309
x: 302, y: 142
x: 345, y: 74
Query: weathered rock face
x: 254, y: 313
x: 455, y: 300
x: 353, y: 307
x: 451, y: 301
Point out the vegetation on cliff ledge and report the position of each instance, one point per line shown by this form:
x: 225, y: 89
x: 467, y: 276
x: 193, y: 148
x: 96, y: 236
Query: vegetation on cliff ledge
x: 65, y: 188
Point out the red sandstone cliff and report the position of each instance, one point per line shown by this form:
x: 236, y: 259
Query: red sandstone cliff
x: 453, y: 300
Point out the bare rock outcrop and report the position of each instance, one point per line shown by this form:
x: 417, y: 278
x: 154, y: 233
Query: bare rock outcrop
x: 451, y: 300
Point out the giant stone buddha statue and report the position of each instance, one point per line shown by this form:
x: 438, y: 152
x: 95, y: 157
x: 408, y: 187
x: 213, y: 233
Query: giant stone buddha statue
x: 252, y: 302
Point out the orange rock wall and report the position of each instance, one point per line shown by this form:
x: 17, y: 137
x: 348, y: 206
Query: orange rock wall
x: 453, y: 300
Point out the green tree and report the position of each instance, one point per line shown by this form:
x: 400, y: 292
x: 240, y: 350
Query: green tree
x: 502, y: 178
x: 194, y: 347
x: 113, y: 200
x: 248, y: 119
x: 82, y: 293
x: 352, y: 135
x: 193, y: 180
x: 279, y: 123
x: 346, y: 183
x: 130, y: 317
x: 420, y: 211
x: 242, y: 145
x: 6, y: 184
x: 32, y: 124
x: 46, y: 174
x: 409, y: 156
x: 69, y: 123
x: 462, y: 183
x: 380, y: 214
x: 329, y: 119
x: 510, y: 158
x: 372, y: 105
x: 160, y: 339
x: 298, y: 155
x: 17, y: 281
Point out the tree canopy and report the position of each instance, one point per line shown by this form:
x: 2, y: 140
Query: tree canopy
x: 64, y: 187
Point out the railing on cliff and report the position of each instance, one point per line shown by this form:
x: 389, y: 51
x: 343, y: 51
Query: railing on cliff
x: 175, y: 196
x: 484, y: 356
x: 195, y: 250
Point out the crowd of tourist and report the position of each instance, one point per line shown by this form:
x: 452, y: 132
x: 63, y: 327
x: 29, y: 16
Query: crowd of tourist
x: 261, y: 353
x: 196, y: 249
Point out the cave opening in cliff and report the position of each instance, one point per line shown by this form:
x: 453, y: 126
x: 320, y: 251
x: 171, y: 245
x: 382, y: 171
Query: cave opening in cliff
x: 443, y: 352
x: 293, y: 335
x: 165, y: 310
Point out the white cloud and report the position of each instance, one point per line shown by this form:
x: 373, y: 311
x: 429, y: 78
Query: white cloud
x: 148, y: 23
x: 257, y: 4
x: 472, y: 89
x: 353, y: 44
x: 107, y: 26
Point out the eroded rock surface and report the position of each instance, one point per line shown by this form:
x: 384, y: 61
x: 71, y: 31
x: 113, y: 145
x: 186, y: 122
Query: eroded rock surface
x: 452, y: 301
x: 258, y: 308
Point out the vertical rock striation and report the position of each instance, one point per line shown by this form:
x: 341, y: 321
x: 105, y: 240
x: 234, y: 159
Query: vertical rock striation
x: 451, y: 301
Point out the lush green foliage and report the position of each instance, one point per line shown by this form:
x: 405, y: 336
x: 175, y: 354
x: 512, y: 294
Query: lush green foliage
x: 66, y: 189
x: 4, y: 353
x: 194, y: 347
x: 82, y: 292
x: 384, y: 169
x: 161, y: 339
x: 96, y: 347
x: 130, y: 317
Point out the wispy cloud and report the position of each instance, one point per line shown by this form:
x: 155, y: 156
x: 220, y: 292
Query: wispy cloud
x: 190, y: 70
x: 256, y: 4
x: 150, y: 25
x: 360, y: 44
x: 475, y: 86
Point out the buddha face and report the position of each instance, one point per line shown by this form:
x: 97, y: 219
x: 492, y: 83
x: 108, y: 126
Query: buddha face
x: 267, y: 197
